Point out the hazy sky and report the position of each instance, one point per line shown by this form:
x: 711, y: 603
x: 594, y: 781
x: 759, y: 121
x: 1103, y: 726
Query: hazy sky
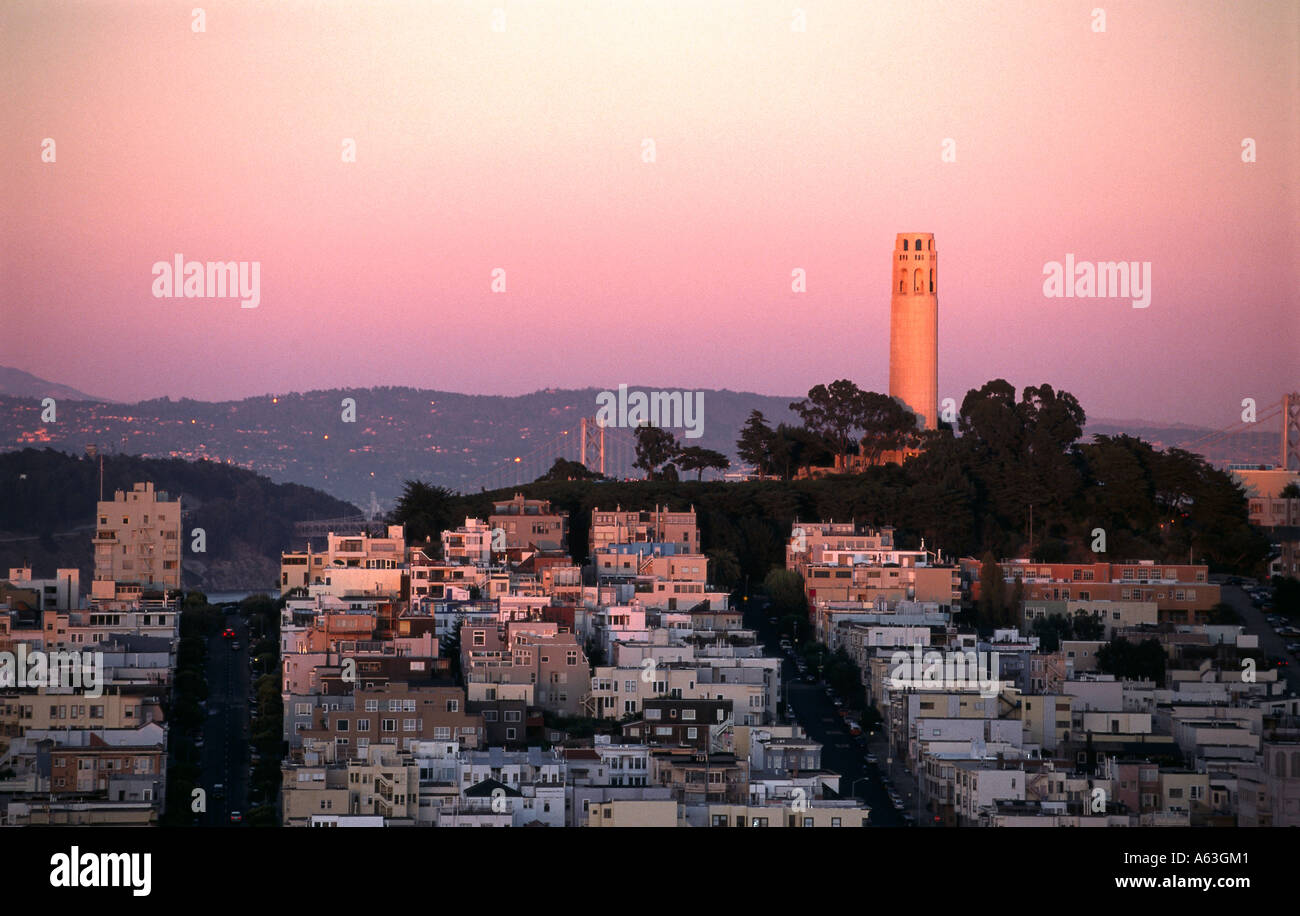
x: 775, y: 149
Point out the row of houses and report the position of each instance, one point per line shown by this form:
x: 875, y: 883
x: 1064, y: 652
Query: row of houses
x: 1003, y: 732
x: 85, y: 743
x: 455, y: 690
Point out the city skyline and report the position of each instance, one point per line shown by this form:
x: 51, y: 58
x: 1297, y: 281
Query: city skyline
x: 775, y: 151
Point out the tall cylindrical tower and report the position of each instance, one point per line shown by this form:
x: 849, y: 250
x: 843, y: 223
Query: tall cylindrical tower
x: 914, y: 326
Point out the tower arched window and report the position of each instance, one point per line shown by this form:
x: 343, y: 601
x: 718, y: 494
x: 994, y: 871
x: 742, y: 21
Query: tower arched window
x: 902, y: 281
x: 918, y: 244
x: 904, y: 244
x: 932, y: 279
x: 916, y: 281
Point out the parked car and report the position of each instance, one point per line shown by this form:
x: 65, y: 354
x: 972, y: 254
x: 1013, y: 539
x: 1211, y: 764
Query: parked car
x: 870, y: 758
x: 236, y: 817
x: 1293, y: 647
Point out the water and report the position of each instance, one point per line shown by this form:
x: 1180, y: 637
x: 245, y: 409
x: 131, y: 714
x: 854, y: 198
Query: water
x: 235, y: 597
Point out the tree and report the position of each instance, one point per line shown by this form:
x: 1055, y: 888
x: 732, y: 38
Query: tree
x: 756, y: 444
x: 1290, y: 491
x: 426, y: 511
x: 886, y: 425
x: 784, y: 588
x: 1086, y: 626
x: 834, y: 412
x: 724, y: 568
x: 654, y: 447
x: 992, y: 600
x: 1050, y: 631
x: 794, y: 447
x: 699, y: 460
x: 1016, y: 609
x: 1224, y: 613
x: 1286, y: 596
x: 564, y: 469
x: 1142, y: 662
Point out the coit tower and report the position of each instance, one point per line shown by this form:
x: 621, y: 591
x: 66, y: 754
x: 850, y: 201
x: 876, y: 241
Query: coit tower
x: 914, y: 326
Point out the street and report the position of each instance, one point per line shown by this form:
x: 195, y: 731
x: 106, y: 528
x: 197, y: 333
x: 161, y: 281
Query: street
x: 842, y: 753
x: 1270, y: 643
x: 225, y: 733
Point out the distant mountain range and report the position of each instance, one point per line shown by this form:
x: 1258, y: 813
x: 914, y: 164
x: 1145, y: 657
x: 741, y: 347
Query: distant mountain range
x: 459, y: 441
x: 15, y: 383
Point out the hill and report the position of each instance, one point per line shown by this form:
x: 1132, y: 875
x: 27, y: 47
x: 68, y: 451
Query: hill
x: 47, y: 515
x: 16, y: 383
x: 458, y: 441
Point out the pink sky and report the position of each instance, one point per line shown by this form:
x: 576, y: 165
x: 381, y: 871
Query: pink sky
x: 775, y: 149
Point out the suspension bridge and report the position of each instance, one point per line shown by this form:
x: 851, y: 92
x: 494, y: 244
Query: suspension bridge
x: 607, y: 450
x: 1254, y: 440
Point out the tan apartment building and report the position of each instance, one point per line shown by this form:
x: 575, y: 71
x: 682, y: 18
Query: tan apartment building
x: 396, y: 714
x: 541, y: 653
x: 810, y: 540
x: 1112, y: 615
x: 346, y: 556
x: 530, y: 523
x: 118, y: 708
x: 633, y: 813
x: 644, y: 526
x: 1182, y: 592
x: 862, y: 583
x: 677, y: 567
x: 1269, y: 792
x: 846, y: 813
x: 137, y: 541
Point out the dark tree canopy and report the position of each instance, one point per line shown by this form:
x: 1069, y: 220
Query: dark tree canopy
x: 694, y: 458
x: 654, y: 448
